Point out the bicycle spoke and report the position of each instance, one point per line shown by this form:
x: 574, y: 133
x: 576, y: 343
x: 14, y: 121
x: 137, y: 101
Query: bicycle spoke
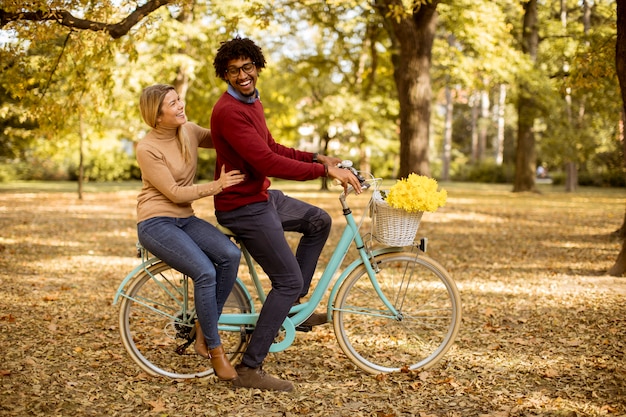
x: 157, y: 316
x: 427, y: 319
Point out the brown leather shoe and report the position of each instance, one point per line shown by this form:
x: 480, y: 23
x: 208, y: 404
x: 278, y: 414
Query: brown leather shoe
x: 221, y: 365
x: 257, y: 378
x: 200, y: 345
x: 315, y: 319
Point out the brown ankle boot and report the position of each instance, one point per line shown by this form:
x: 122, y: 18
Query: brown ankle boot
x: 200, y: 345
x: 221, y: 365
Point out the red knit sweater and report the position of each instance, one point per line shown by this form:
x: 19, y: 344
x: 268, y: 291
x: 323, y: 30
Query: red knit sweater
x: 243, y: 141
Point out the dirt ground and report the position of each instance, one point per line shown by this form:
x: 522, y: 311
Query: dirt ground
x: 543, y: 334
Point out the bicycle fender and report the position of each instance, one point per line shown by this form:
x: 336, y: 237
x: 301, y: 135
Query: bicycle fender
x: 246, y: 292
x: 353, y: 266
x: 131, y: 275
x: 148, y: 263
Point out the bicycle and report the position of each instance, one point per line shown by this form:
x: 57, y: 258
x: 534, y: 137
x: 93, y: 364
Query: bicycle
x: 393, y: 309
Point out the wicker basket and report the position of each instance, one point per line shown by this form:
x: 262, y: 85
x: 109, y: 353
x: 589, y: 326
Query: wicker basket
x: 392, y: 226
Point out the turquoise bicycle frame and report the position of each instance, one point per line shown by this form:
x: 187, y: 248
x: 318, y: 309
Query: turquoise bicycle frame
x: 298, y: 313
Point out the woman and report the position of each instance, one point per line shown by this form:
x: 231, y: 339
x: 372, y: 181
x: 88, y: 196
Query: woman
x: 166, y: 224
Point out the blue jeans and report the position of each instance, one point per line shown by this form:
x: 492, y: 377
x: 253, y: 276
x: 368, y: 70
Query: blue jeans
x: 261, y: 227
x: 196, y: 248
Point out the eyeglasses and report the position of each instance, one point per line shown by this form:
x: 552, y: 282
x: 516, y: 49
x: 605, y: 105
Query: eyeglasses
x: 247, y: 68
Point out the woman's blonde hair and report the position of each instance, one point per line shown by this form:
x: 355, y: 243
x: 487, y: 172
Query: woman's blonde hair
x: 150, y: 104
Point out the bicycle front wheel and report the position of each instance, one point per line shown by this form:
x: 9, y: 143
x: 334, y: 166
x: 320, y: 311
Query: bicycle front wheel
x: 421, y: 330
x: 156, y: 319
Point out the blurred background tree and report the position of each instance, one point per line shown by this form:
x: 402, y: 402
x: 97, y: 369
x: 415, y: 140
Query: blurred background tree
x: 72, y: 73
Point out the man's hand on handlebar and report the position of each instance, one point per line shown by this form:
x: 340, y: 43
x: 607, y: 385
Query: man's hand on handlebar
x: 343, y: 174
x: 346, y: 177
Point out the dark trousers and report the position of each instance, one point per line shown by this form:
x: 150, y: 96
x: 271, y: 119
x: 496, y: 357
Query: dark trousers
x: 261, y: 227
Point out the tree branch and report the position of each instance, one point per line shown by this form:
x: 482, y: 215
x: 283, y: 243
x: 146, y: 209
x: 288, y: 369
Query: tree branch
x: 56, y: 65
x: 65, y: 18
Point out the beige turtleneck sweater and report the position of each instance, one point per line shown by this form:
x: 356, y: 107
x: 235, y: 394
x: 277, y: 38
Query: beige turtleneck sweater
x: 168, y: 187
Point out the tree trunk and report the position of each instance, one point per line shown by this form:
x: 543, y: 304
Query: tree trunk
x: 324, y: 151
x: 498, y: 145
x: 619, y: 267
x: 621, y: 232
x: 526, y: 158
x: 183, y: 75
x: 447, y: 136
x: 483, y: 124
x: 414, y: 34
x: 364, y: 150
x: 571, y: 176
x: 571, y: 168
x: 475, y: 106
x: 81, y: 154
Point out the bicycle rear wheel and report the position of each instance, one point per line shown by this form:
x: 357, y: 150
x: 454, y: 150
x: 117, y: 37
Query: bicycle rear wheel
x: 156, y: 319
x: 428, y: 316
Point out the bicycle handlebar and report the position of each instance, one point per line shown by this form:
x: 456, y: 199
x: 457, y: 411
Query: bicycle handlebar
x: 365, y: 183
x: 347, y: 164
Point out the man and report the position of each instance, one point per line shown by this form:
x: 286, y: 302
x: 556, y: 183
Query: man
x: 260, y: 216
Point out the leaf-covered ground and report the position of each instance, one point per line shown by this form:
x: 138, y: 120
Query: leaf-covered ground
x: 543, y: 334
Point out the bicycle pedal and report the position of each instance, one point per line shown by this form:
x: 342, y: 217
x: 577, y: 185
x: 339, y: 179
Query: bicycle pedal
x: 181, y: 348
x: 304, y: 328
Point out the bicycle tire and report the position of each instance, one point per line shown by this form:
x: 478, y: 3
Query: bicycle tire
x: 428, y: 319
x: 157, y: 315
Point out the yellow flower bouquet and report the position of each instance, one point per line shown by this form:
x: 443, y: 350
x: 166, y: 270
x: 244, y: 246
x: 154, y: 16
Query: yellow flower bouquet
x: 398, y: 212
x: 416, y: 193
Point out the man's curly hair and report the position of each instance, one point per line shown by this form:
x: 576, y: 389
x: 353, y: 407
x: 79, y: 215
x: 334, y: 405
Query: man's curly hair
x: 237, y: 48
